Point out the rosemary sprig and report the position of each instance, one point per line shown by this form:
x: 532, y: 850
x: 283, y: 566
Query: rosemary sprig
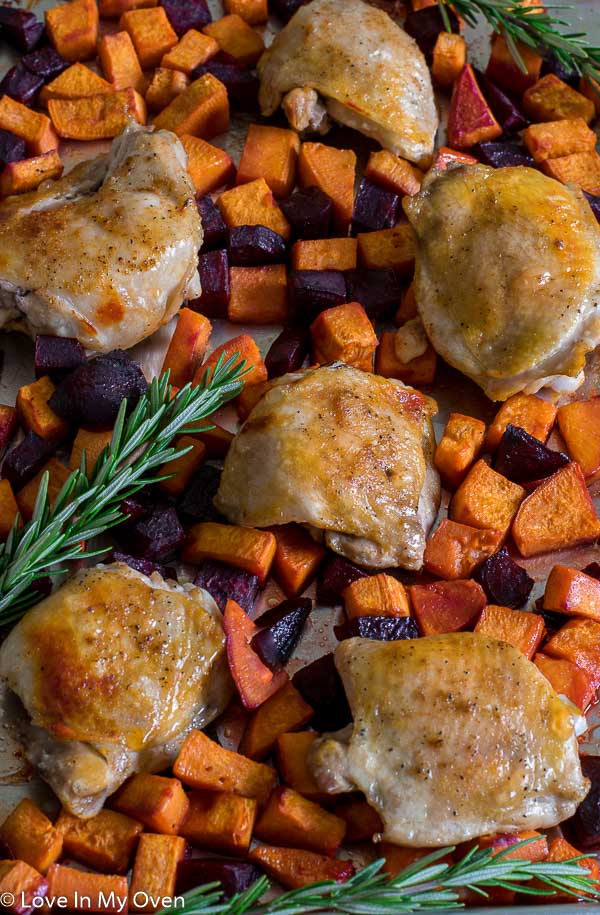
x: 426, y: 885
x: 534, y: 28
x: 88, y: 506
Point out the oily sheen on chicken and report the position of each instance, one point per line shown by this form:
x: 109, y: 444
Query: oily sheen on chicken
x: 106, y: 254
x: 113, y: 669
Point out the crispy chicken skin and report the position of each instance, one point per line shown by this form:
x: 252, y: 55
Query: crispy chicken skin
x: 345, y: 452
x: 370, y: 73
x: 507, y: 278
x: 106, y: 254
x: 454, y: 736
x: 113, y: 669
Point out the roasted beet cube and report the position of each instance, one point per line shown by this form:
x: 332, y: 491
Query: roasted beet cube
x: 283, y: 627
x: 42, y: 585
x: 20, y: 28
x: 241, y: 84
x: 594, y: 203
x: 45, y: 62
x: 57, y: 356
x: 251, y: 246
x: 500, y: 154
x: 586, y: 821
x: 91, y: 395
x: 24, y: 460
x: 12, y: 148
x: 384, y: 628
x: 145, y: 566
x: 505, y: 110
x: 287, y: 352
x: 157, y: 536
x: 196, y: 504
x: 504, y: 582
x: 425, y: 25
x: 593, y: 569
x: 374, y: 208
x: 213, y: 226
x: 336, y: 576
x: 285, y: 9
x: 234, y: 876
x: 21, y: 84
x: 320, y: 684
x: 186, y: 14
x: 136, y: 506
x: 309, y: 212
x: 312, y: 291
x: 522, y: 458
x: 551, y: 64
x: 213, y: 268
x: 552, y: 618
x: 378, y: 291
x: 225, y: 583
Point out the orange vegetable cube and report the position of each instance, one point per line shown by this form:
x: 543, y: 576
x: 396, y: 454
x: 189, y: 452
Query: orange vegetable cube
x: 159, y: 803
x: 416, y: 371
x: 8, y: 425
x: 244, y: 547
x: 208, y: 166
x: 73, y: 29
x: 297, y: 822
x: 57, y: 476
x: 573, y: 593
x: 579, y: 168
x: 237, y: 39
x: 561, y: 850
x: 120, y: 62
x: 22, y: 884
x: 165, y: 86
x: 458, y: 448
x: 294, y: 868
x: 486, y: 499
x: 270, y: 153
x: 567, y: 679
x: 554, y: 139
x: 253, y: 205
x: 362, y: 821
x: 533, y: 851
x: 35, y: 128
x: 20, y: 177
x: 456, y: 550
x: 254, y: 12
x: 332, y: 170
x: 249, y: 397
x: 106, y: 893
x: 470, y: 119
x: 93, y: 443
x: 445, y: 156
x: 344, y: 333
x: 447, y: 606
x: 155, y: 871
x: 8, y: 509
x: 77, y: 81
x: 187, y: 347
x: 591, y: 89
x: 244, y: 347
x: 324, y: 254
x: 292, y: 763
x: 220, y: 821
x: 398, y: 858
x: 579, y: 424
x: 393, y: 173
x: 527, y: 411
x: 388, y: 248
x: 579, y: 642
x: 284, y: 711
x: 192, y: 50
x: 97, y: 117
x: 105, y: 841
x: 558, y: 514
x: 258, y: 295
x: 151, y: 34
x: 551, y: 99
x: 114, y: 9
x: 36, y: 415
x: 408, y: 307
x: 517, y: 627
x: 28, y: 834
x: 297, y: 558
x: 216, y: 441
x: 376, y: 595
x: 449, y: 58
x: 182, y: 468
x: 504, y: 70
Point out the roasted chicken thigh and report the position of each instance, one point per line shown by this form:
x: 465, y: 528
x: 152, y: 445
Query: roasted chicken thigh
x: 106, y: 254
x: 113, y: 669
x: 345, y: 452
x: 350, y: 61
x: 454, y: 736
x: 507, y: 278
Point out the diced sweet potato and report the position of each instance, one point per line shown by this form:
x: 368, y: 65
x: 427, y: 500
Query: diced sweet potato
x: 449, y: 58
x: 243, y: 547
x: 106, y: 893
x: 591, y: 89
x: 33, y: 127
x: 183, y: 468
x: 254, y: 12
x: 202, y: 763
x: 57, y: 476
x: 192, y: 50
x: 114, y: 9
x: 73, y: 29
x: 332, y: 171
x: 270, y: 153
x: 398, y: 858
x: 120, y: 62
x: 567, y: 679
x: 393, y: 173
x: 535, y: 850
x: 28, y: 174
x: 445, y: 156
x: 165, y: 85
x: 376, y: 595
x: 220, y: 821
x: 247, y: 350
x: 253, y: 204
x: 23, y: 885
x: 8, y: 425
x: 528, y: 412
x: 249, y: 397
x: 154, y: 873
x: 284, y: 711
x: 237, y: 39
x: 106, y: 841
x: 344, y: 333
x: 388, y: 248
x: 297, y: 558
x: 408, y: 307
x: 551, y: 99
x: 517, y: 627
x: 470, y: 119
x: 36, y: 415
x: 187, y: 347
x: 97, y: 117
x: 578, y: 641
x: 254, y: 680
x: 294, y: 821
x: 294, y: 868
x: 201, y: 110
x: 325, y: 254
x: 28, y: 834
x: 292, y: 763
x: 362, y: 821
x: 216, y: 441
x: 77, y: 81
x: 485, y: 499
x: 561, y: 850
x: 151, y: 34
x: 159, y: 803
x: 554, y: 139
x: 416, y: 371
x: 503, y: 69
x: 579, y: 424
x: 93, y: 443
x: 447, y: 606
x: 8, y: 509
x: 558, y: 514
x: 258, y: 295
x: 573, y: 593
x: 458, y: 448
x: 579, y: 168
x: 456, y: 550
x: 208, y: 166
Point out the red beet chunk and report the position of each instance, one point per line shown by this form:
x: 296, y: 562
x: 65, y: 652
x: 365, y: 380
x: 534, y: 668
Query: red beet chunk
x: 593, y: 569
x: 12, y: 148
x: 378, y: 291
x: 21, y: 84
x: 136, y: 506
x: 186, y: 14
x: 504, y: 582
x: 241, y: 84
x: 213, y: 268
x: 500, y: 154
x: 384, y: 628
x: 287, y: 352
x: 156, y: 537
x: 234, y: 876
x: 20, y: 28
x: 320, y: 684
x: 213, y: 226
x: 586, y: 821
x: 594, y: 203
x: 91, y: 395
x: 374, y: 208
x: 24, y: 460
x: 312, y: 291
x: 338, y: 574
x: 8, y: 425
x: 57, y: 356
x: 505, y: 110
x: 196, y: 504
x: 45, y: 62
x: 285, y: 9
x: 522, y: 458
x: 552, y: 618
x: 425, y: 25
x: 145, y: 566
x: 309, y: 212
x: 225, y: 583
x: 251, y: 246
x: 283, y: 624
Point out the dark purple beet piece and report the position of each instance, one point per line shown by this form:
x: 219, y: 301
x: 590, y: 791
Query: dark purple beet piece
x: 309, y: 212
x: 196, y: 504
x: 45, y: 62
x: 505, y: 110
x: 283, y: 624
x: 136, y: 506
x: 251, y: 246
x: 593, y: 569
x: 24, y: 460
x: 225, y: 583
x: 145, y: 566
x: 504, y: 582
x: 374, y: 208
x: 285, y: 9
x: 425, y: 25
x: 312, y: 291
x: 552, y: 618
x: 505, y: 154
x: 234, y: 876
x: 57, y: 356
x: 321, y: 686
x: 21, y: 84
x: 287, y: 352
x: 551, y: 64
x: 384, y: 628
x: 522, y: 458
x: 91, y: 395
x: 20, y: 28
x: 594, y: 203
x: 43, y: 585
x: 336, y: 576
x: 241, y: 84
x: 157, y: 536
x: 586, y: 821
x: 378, y: 291
x: 213, y: 226
x: 186, y: 14
x: 12, y: 148
x: 213, y: 268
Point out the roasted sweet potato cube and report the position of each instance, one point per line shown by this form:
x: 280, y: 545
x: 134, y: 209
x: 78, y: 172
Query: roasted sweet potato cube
x: 165, y: 85
x: 567, y: 679
x: 447, y: 606
x: 249, y: 397
x: 527, y: 411
x: 398, y: 858
x: 344, y: 333
x: 362, y: 821
x: 8, y: 509
x: 151, y: 34
x: 297, y: 558
x: 579, y: 168
x: 561, y: 850
x: 77, y: 81
x: 292, y: 763
x: 8, y: 425
x: 591, y: 89
x: 237, y: 39
x: 573, y: 593
x: 504, y: 70
x: 458, y: 448
x: 554, y: 139
x: 388, y: 248
x: 416, y: 371
x: 486, y: 499
x: 376, y: 595
x: 73, y: 29
x: 408, y: 307
x: 517, y: 627
x: 558, y: 514
x: 470, y: 119
x: 183, y: 468
x: 57, y: 476
x: 501, y: 843
x: 97, y: 117
x: 252, y: 204
x: 120, y: 62
x: 258, y: 295
x: 456, y: 550
x: 29, y: 835
x: 254, y: 12
x: 270, y: 153
x: 449, y: 58
x: 248, y: 352
x: 208, y: 166
x: 297, y: 822
x: 325, y: 254
x: 159, y: 803
x: 107, y: 893
x: 445, y: 156
x: 23, y: 885
x: 578, y: 641
x: 294, y: 868
x: 154, y: 873
x: 220, y: 821
x: 243, y: 547
x: 26, y: 175
x: 216, y: 441
x: 106, y: 841
x: 35, y: 414
x: 332, y: 171
x: 114, y: 9
x: 187, y: 347
x: 33, y: 127
x: 551, y: 99
x: 201, y: 110
x: 93, y: 443
x: 192, y: 50
x: 284, y: 711
x: 393, y: 173
x: 579, y: 424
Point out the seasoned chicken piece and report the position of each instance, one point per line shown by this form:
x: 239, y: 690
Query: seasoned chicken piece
x: 370, y: 73
x: 454, y: 736
x: 106, y: 254
x: 113, y: 670
x: 507, y: 279
x: 345, y: 452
